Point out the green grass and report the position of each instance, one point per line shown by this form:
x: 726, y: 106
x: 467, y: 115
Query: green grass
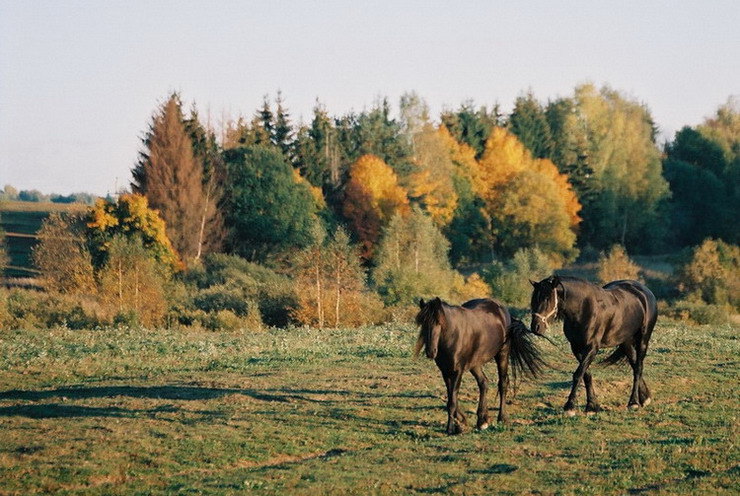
x: 303, y: 411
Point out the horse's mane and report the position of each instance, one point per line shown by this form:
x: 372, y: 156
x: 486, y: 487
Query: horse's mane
x: 427, y: 317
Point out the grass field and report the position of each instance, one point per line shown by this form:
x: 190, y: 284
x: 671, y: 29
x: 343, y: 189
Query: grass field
x: 303, y: 411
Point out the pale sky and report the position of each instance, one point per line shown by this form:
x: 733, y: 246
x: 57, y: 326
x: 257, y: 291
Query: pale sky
x: 79, y: 80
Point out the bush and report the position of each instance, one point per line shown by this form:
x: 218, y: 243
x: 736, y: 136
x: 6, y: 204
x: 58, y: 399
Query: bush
x: 509, y: 281
x: 616, y: 265
x: 226, y: 320
x: 30, y: 309
x: 221, y: 297
x: 698, y: 312
x: 712, y: 275
x: 254, y: 294
x: 464, y: 289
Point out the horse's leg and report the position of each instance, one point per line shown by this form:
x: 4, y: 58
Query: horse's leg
x: 453, y: 385
x: 640, y: 395
x: 585, y: 357
x: 643, y: 392
x: 502, y: 364
x: 482, y: 380
x: 592, y: 403
x: 459, y: 415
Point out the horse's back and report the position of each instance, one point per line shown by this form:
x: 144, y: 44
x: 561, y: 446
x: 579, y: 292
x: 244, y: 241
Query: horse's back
x: 480, y: 326
x: 489, y: 306
x: 638, y: 289
x: 636, y: 294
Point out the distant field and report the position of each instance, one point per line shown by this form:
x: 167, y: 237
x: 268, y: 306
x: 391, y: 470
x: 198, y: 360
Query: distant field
x: 303, y: 411
x: 21, y: 221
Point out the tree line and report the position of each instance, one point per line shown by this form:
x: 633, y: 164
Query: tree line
x: 369, y: 210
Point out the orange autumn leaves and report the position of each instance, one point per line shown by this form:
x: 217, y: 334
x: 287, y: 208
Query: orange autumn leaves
x: 372, y: 197
x: 528, y: 201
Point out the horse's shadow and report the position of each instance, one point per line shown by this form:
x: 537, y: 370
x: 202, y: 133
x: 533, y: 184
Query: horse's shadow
x: 177, y: 393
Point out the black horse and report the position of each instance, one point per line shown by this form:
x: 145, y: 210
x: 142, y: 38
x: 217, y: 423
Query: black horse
x: 464, y: 338
x: 622, y: 314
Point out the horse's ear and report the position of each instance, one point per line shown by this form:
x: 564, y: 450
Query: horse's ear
x: 421, y: 303
x: 534, y: 284
x: 555, y: 281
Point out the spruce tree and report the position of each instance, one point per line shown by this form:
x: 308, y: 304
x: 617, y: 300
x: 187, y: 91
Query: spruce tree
x: 529, y: 124
x: 171, y: 177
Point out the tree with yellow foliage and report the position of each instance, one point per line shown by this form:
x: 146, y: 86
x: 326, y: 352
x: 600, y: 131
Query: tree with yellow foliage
x: 469, y: 230
x: 431, y: 184
x: 129, y: 216
x: 529, y: 202
x: 372, y: 197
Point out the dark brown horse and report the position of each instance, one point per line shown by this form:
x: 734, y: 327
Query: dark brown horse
x: 464, y: 338
x: 621, y: 314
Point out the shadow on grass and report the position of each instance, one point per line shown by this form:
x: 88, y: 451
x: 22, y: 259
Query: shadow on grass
x: 499, y: 468
x: 337, y: 405
x: 190, y: 392
x: 55, y: 410
x: 173, y: 392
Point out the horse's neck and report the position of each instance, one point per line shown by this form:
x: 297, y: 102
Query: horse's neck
x: 572, y: 296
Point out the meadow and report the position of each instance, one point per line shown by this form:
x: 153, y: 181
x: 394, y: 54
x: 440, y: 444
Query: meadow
x: 349, y: 411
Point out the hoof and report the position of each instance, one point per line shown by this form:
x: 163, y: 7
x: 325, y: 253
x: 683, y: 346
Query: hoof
x: 633, y: 406
x: 591, y: 413
x: 647, y: 401
x: 483, y: 426
x: 570, y: 413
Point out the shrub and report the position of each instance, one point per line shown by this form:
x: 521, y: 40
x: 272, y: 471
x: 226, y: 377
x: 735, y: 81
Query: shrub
x: 411, y: 261
x: 62, y: 255
x: 712, y: 274
x: 273, y: 293
x: 133, y: 281
x: 226, y: 320
x: 221, y: 297
x: 698, y: 312
x: 509, y: 281
x: 464, y: 289
x: 29, y: 309
x: 616, y: 265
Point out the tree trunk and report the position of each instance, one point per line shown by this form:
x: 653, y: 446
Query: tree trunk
x: 203, y: 222
x: 319, y: 309
x: 338, y: 282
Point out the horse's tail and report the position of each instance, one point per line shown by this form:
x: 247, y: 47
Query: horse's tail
x: 526, y: 358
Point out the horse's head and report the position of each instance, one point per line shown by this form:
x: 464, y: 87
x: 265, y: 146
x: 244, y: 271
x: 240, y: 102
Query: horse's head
x: 431, y: 319
x: 544, y: 304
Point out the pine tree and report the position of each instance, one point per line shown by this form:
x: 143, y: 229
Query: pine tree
x: 282, y: 130
x: 171, y: 178
x: 529, y: 123
x: 472, y: 126
x: 212, y: 232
